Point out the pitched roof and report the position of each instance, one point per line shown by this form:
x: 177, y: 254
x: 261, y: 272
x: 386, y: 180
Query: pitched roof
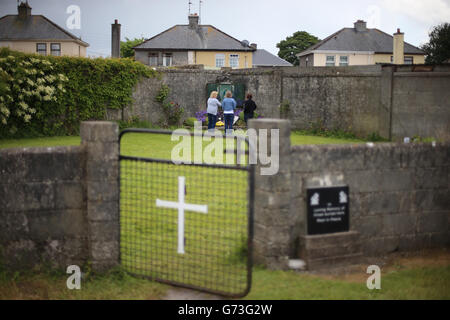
x: 204, y: 37
x: 348, y: 39
x: 262, y: 58
x: 34, y: 27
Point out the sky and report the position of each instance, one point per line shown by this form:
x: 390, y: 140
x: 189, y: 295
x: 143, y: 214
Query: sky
x: 263, y: 22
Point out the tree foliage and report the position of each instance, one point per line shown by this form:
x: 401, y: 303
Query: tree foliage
x: 298, y: 42
x: 126, y: 47
x: 438, y: 48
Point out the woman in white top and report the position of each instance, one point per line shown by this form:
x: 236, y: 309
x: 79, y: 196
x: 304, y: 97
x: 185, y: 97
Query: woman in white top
x: 213, y: 106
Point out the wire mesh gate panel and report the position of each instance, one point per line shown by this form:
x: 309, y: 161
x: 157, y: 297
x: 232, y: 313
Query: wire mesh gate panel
x: 188, y: 225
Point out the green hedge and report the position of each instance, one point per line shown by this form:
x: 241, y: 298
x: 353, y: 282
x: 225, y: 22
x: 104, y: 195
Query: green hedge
x: 45, y: 96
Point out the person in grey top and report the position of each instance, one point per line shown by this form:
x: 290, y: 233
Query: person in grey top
x: 213, y: 106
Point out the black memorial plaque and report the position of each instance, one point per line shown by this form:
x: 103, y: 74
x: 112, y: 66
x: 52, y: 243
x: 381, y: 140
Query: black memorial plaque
x: 328, y: 210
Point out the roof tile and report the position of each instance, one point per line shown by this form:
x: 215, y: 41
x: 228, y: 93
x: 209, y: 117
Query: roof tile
x: 205, y: 37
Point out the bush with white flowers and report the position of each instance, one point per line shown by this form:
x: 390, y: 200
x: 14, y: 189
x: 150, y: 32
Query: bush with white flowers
x: 46, y: 95
x: 25, y: 85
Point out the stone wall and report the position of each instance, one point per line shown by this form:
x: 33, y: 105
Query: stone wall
x: 59, y: 205
x: 42, y: 206
x: 421, y: 104
x: 334, y: 99
x: 399, y: 193
x: 391, y: 101
x: 399, y: 198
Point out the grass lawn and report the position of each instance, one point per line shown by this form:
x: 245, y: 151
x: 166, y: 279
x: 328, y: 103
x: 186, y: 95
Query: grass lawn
x: 159, y: 144
x: 406, y: 284
x: 40, y: 142
x: 299, y: 139
x: 48, y: 286
x: 399, y: 282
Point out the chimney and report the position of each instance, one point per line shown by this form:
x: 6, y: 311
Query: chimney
x: 399, y: 45
x: 24, y: 10
x: 115, y: 39
x: 254, y: 46
x: 360, y: 26
x: 193, y: 21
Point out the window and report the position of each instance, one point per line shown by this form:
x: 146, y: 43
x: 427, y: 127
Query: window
x: 343, y: 61
x: 406, y: 60
x: 409, y: 60
x: 167, y: 59
x: 220, y: 60
x: 55, y: 49
x: 153, y: 59
x: 41, y: 48
x: 234, y: 60
x: 330, y: 61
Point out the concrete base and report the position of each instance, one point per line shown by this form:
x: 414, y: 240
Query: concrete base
x: 322, y: 251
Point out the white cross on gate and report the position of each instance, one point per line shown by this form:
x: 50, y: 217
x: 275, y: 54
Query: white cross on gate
x: 181, y: 206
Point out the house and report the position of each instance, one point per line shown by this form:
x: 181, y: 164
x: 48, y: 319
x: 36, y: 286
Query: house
x: 263, y: 58
x: 195, y: 44
x: 36, y: 34
x: 361, y: 46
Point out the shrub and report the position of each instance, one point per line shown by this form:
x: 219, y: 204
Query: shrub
x: 28, y: 91
x: 46, y: 95
x: 190, y: 122
x: 135, y: 122
x: 172, y: 111
x: 375, y: 137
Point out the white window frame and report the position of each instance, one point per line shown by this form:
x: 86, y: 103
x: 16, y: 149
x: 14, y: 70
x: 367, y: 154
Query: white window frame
x: 410, y: 60
x: 235, y: 58
x: 167, y: 59
x: 343, y: 64
x: 153, y: 56
x: 44, y: 53
x: 54, y: 52
x: 220, y: 60
x: 404, y: 60
x: 328, y: 64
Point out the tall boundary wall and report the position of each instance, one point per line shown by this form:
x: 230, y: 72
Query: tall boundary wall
x: 391, y: 101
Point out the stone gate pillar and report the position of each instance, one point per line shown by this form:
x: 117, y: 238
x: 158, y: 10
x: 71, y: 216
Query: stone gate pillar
x: 100, y: 141
x: 272, y: 227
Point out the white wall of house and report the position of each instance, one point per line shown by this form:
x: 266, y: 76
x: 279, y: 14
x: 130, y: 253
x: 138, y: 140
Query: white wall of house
x: 349, y: 58
x: 359, y: 58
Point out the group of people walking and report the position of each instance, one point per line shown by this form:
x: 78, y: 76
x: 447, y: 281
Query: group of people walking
x: 228, y: 105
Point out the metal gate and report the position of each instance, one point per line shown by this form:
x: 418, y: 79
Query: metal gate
x: 188, y: 225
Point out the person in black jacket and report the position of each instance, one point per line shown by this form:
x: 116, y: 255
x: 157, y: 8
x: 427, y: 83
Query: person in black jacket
x: 249, y: 108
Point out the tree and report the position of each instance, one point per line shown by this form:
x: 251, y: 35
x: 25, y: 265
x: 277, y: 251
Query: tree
x: 298, y: 42
x: 438, y: 48
x: 126, y: 47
